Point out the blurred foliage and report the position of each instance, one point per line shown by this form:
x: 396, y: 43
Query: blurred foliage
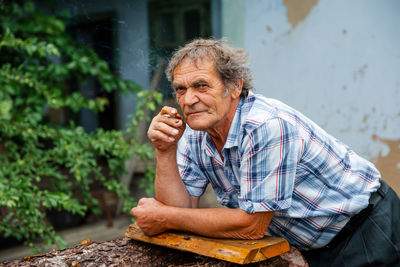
x: 45, y: 166
x: 147, y: 181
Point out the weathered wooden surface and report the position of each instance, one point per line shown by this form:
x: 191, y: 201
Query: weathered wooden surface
x: 128, y: 252
x: 232, y: 250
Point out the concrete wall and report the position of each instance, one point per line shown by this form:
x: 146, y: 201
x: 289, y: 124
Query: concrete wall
x: 338, y: 62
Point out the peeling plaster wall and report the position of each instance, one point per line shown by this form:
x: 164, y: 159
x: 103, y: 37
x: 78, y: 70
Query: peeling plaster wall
x: 338, y: 62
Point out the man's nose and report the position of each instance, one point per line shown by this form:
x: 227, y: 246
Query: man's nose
x: 190, y: 97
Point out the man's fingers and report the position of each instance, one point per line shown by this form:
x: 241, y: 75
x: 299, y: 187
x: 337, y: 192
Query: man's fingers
x: 157, y: 136
x: 171, y: 121
x: 142, y: 201
x: 163, y: 132
x: 134, y: 211
x: 166, y: 129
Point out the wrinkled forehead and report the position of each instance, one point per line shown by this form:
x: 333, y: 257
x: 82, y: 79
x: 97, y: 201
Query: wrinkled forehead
x: 198, y: 63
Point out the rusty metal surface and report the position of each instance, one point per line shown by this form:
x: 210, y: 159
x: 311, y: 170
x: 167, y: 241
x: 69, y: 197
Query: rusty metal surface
x: 237, y: 251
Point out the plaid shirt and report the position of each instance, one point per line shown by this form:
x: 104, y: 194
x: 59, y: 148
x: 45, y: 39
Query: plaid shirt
x: 276, y: 159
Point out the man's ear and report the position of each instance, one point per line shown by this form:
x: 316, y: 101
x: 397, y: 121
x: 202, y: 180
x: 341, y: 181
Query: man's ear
x: 237, y: 85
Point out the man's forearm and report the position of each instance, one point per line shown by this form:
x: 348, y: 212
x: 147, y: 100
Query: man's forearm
x: 169, y: 187
x: 217, y: 222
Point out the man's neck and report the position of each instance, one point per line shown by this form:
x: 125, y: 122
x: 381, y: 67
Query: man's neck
x: 220, y: 132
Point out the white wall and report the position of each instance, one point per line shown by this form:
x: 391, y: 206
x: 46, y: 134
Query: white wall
x: 338, y: 62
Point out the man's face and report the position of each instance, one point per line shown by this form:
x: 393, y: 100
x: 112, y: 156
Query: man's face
x: 202, y: 95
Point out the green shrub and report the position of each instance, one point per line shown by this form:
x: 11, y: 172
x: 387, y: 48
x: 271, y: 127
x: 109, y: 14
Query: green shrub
x: 43, y: 165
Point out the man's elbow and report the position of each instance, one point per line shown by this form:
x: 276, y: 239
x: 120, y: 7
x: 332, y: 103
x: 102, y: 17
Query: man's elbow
x: 251, y: 234
x: 255, y: 225
x: 254, y: 231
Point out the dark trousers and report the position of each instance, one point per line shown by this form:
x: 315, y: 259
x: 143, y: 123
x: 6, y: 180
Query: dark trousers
x: 374, y: 241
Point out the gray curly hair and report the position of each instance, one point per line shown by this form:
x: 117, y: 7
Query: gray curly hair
x: 230, y: 62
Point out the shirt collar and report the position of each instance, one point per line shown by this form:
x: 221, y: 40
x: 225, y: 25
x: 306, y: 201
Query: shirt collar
x: 233, y: 135
x: 232, y: 139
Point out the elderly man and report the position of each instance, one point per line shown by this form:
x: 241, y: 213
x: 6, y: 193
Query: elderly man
x: 274, y: 168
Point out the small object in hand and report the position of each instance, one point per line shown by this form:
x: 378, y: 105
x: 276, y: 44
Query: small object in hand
x: 166, y: 114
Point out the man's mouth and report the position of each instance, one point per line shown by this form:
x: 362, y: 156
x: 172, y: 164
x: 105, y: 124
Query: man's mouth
x: 193, y: 113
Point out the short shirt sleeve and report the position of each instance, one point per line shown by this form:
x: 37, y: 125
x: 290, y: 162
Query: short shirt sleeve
x: 194, y: 180
x: 271, y: 152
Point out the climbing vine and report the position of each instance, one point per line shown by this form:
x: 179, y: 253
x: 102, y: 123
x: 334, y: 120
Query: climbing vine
x: 44, y: 165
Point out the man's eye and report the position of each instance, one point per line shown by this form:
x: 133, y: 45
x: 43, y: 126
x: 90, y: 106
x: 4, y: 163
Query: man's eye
x: 179, y: 89
x: 202, y: 85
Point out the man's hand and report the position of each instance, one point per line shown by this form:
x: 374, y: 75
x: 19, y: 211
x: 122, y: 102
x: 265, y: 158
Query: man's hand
x: 148, y: 216
x: 165, y: 131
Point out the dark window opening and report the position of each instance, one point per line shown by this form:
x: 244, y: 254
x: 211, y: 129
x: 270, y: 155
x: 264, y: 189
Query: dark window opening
x: 167, y: 28
x: 98, y: 34
x: 192, y: 24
